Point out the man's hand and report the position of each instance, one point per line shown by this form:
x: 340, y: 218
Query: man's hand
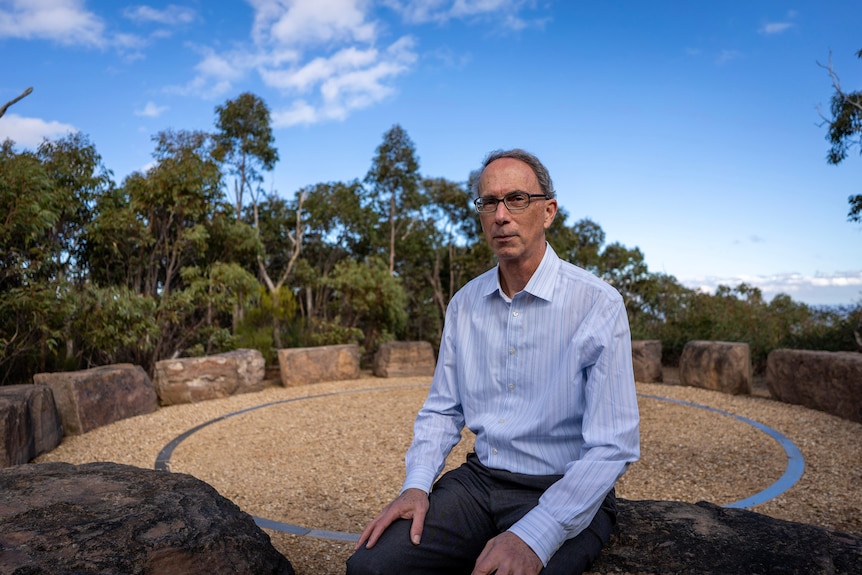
x: 507, y: 554
x: 412, y: 504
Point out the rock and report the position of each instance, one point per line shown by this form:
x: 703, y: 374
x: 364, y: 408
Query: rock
x: 95, y: 397
x: 301, y: 365
x: 685, y: 538
x: 29, y: 423
x: 193, y: 379
x: 823, y: 380
x: 717, y: 365
x: 646, y: 360
x: 404, y: 359
x: 106, y: 518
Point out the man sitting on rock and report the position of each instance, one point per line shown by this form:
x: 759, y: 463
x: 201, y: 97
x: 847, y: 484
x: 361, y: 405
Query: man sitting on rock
x: 535, y: 359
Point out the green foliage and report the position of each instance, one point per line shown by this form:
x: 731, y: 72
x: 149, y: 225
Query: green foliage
x: 244, y: 142
x: 368, y: 297
x: 112, y: 325
x: 845, y: 133
x: 161, y: 266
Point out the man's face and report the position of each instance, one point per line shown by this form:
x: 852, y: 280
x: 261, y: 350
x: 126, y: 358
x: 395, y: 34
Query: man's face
x: 519, y: 236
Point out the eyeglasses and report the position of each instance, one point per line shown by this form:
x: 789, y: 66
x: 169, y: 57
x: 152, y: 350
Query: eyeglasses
x: 514, y: 201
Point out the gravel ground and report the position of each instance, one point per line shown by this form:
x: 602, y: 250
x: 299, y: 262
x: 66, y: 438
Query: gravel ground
x: 329, y: 456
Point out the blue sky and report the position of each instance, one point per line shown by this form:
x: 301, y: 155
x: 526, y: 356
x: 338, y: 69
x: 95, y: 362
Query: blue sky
x: 691, y: 130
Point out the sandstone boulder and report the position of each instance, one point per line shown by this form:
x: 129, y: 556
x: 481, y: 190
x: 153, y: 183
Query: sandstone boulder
x: 29, y: 423
x: 684, y: 538
x: 646, y: 360
x: 301, y: 365
x: 193, y: 379
x: 95, y: 397
x: 404, y: 359
x: 822, y: 380
x: 106, y: 518
x: 717, y: 365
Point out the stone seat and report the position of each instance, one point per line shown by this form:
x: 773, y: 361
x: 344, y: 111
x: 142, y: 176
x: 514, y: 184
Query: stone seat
x: 303, y: 365
x: 91, y: 398
x: 29, y: 423
x: 404, y: 359
x: 193, y: 379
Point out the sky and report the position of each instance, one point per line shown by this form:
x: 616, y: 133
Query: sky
x: 693, y: 130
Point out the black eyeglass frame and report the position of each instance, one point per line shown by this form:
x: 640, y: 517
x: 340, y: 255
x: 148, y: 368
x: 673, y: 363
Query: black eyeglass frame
x: 492, y: 201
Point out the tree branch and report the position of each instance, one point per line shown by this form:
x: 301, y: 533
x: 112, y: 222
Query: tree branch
x: 24, y: 94
x: 836, y: 83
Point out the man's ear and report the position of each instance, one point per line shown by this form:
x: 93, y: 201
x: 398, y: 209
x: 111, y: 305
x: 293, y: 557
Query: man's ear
x: 550, y: 212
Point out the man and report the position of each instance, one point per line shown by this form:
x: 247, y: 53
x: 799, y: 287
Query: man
x: 535, y: 359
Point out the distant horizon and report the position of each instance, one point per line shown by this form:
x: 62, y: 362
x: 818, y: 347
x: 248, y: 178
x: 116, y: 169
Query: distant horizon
x: 692, y: 131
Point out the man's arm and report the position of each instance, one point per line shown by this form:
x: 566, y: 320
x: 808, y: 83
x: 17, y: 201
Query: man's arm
x: 611, y: 440
x: 437, y: 429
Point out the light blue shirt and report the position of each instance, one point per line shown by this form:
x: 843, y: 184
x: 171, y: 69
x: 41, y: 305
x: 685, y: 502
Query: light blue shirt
x: 545, y: 381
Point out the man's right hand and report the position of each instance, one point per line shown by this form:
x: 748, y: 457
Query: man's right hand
x: 412, y: 504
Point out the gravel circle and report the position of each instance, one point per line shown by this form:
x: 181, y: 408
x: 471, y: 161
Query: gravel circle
x: 329, y: 456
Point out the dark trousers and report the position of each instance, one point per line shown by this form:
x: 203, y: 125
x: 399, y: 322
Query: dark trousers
x: 469, y: 506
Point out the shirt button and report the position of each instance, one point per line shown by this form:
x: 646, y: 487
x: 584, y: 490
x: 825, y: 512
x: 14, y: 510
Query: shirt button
x: 516, y: 314
x: 494, y: 452
x: 511, y: 386
x: 512, y: 351
x: 502, y: 420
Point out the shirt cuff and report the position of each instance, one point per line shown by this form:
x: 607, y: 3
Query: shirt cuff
x: 419, y: 477
x: 541, y: 532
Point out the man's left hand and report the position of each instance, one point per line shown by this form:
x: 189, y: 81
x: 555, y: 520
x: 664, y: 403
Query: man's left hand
x: 507, y: 554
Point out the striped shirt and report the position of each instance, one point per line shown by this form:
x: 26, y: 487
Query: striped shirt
x: 545, y: 381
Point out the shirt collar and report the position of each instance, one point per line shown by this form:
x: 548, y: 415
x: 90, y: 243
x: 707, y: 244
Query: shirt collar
x: 541, y: 284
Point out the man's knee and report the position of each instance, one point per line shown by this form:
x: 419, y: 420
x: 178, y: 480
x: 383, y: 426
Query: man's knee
x: 367, y: 562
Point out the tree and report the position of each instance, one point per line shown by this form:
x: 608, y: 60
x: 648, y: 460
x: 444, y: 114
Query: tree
x: 394, y: 179
x: 845, y: 130
x: 32, y: 305
x: 244, y: 141
x: 367, y: 297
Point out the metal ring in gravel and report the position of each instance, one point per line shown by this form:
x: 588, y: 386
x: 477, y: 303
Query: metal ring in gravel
x: 794, y: 468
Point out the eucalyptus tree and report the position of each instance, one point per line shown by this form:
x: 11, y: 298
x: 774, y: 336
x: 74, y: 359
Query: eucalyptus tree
x: 244, y: 142
x: 395, y: 188
x: 162, y: 235
x: 31, y: 316
x: 845, y: 130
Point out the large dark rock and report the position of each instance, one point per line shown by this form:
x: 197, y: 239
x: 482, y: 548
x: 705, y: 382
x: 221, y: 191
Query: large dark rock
x: 106, y: 518
x: 29, y: 423
x: 91, y: 398
x: 829, y: 381
x: 685, y: 538
x: 193, y: 379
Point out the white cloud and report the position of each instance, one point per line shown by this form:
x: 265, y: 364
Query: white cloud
x: 835, y: 288
x: 151, y: 110
x: 172, y: 15
x: 63, y: 21
x: 349, y: 80
x: 440, y: 11
x: 325, y: 56
x: 216, y: 73
x: 29, y: 132
x: 312, y: 22
x: 775, y: 27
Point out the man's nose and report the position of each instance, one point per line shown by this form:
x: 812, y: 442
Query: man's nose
x: 502, y: 213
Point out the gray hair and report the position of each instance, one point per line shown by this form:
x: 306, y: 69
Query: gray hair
x: 539, y: 169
